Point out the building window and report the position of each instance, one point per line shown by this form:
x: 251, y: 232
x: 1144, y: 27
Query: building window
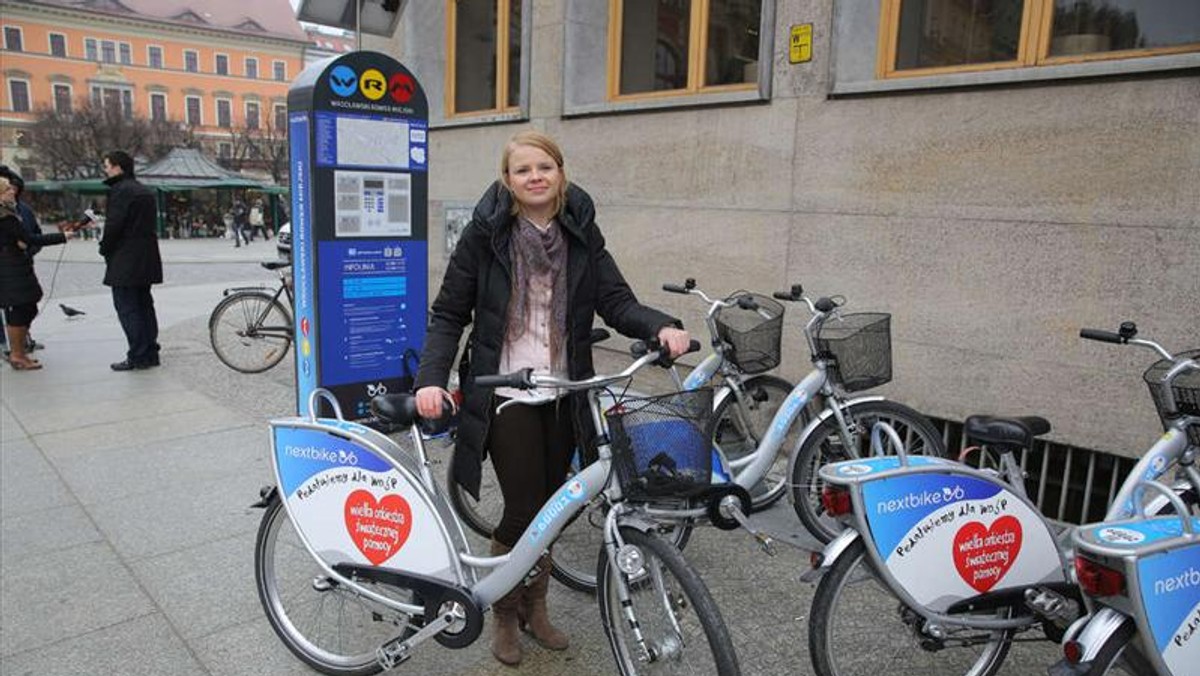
x: 683, y: 46
x: 62, y: 99
x: 221, y: 64
x: 126, y: 53
x: 158, y: 106
x: 58, y: 45
x: 89, y: 49
x: 192, y: 111
x: 154, y: 56
x: 483, y: 73
x: 923, y: 37
x: 251, y: 115
x: 18, y: 95
x: 13, y: 39
x: 108, y: 51
x: 191, y: 61
x: 224, y: 113
x: 252, y: 68
x: 224, y: 151
x: 280, y: 116
x: 280, y: 70
x: 118, y: 100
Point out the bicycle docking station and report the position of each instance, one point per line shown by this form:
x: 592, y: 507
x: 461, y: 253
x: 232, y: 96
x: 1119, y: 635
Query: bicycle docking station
x: 358, y: 130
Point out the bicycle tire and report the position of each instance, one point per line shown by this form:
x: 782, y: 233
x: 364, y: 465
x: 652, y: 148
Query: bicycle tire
x: 482, y: 515
x: 1119, y: 655
x: 288, y: 579
x: 672, y: 608
x: 824, y: 445
x: 234, y: 331
x: 739, y: 435
x: 851, y: 601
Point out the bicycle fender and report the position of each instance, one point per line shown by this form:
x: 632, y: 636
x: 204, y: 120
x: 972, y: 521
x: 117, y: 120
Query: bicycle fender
x: 830, y: 554
x: 1098, y: 631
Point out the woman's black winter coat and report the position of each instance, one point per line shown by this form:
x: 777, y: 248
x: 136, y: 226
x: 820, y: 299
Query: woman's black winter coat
x: 476, y: 291
x: 18, y: 282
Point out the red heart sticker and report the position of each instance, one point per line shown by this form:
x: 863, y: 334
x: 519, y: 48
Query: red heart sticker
x: 379, y: 528
x: 982, y: 555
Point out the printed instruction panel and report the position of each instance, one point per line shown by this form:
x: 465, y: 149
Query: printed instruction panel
x: 372, y: 204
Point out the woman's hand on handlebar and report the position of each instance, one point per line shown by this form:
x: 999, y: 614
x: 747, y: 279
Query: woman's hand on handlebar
x: 675, y: 340
x: 431, y: 401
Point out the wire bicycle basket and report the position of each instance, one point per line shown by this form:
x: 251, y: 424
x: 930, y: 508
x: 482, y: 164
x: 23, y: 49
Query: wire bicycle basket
x: 753, y: 336
x: 662, y: 445
x: 857, y: 349
x: 1186, y: 389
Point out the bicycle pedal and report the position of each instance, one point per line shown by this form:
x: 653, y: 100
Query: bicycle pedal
x: 766, y: 543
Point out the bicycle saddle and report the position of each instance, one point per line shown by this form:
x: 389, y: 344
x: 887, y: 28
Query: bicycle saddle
x: 1018, y: 432
x: 397, y: 409
x: 275, y: 265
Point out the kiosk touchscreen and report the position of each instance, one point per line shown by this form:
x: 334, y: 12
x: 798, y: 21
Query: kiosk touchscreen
x: 358, y: 131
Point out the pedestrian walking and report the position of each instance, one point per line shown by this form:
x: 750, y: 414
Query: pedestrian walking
x: 241, y: 223
x: 258, y: 222
x: 132, y: 260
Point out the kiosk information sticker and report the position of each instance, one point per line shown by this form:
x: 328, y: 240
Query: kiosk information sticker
x: 370, y: 204
x: 1170, y: 588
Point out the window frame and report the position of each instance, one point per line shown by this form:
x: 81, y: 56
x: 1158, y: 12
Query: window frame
x: 217, y: 56
x: 217, y: 109
x: 199, y: 110
x: 162, y: 57
x: 70, y: 97
x: 504, y: 67
x: 150, y: 106
x: 196, y: 60
x: 20, y: 37
x: 97, y: 90
x: 124, y: 49
x: 66, y: 48
x: 696, y: 58
x: 276, y: 64
x: 221, y: 146
x: 1033, y: 46
x: 246, y: 114
x: 94, y: 51
x: 12, y: 100
x: 114, y: 51
x: 246, y: 61
x: 275, y: 118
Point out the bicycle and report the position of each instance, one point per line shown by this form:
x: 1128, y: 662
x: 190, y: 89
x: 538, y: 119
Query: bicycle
x: 1129, y: 571
x: 957, y: 560
x: 848, y: 356
x: 250, y: 329
x: 358, y: 540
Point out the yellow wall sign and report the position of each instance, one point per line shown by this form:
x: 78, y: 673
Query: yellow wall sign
x: 800, y: 46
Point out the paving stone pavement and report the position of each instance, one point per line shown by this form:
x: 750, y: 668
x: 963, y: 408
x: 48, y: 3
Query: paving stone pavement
x: 127, y: 537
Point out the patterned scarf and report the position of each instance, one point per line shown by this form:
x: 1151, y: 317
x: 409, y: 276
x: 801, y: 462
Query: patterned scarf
x: 537, y: 253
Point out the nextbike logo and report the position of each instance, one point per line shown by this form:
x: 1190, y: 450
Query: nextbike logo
x: 339, y: 457
x: 923, y: 499
x: 573, y: 491
x: 1187, y: 579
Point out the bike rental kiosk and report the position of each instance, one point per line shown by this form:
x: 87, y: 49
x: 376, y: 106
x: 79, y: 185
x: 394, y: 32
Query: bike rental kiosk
x: 358, y: 131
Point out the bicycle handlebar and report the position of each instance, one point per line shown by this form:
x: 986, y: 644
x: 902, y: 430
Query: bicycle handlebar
x: 647, y: 352
x: 1102, y: 336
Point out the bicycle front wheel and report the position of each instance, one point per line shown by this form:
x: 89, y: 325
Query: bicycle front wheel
x: 657, y: 613
x: 482, y: 515
x: 825, y: 445
x: 250, y: 331
x: 330, y: 627
x: 742, y: 424
x: 858, y: 627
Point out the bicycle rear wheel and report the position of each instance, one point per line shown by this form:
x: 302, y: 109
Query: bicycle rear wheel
x: 741, y: 425
x: 825, y: 445
x: 250, y: 331
x: 659, y: 617
x: 859, y: 628
x: 328, y: 626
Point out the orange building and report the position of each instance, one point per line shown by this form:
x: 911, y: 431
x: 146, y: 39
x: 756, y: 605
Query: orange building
x: 213, y: 65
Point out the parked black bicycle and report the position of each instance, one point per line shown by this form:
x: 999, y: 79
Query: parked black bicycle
x: 251, y: 328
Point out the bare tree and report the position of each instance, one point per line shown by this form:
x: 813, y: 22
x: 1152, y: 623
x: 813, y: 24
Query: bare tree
x: 269, y: 147
x: 68, y: 145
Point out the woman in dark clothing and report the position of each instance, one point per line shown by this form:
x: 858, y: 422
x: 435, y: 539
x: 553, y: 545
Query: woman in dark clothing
x: 19, y: 288
x: 529, y: 274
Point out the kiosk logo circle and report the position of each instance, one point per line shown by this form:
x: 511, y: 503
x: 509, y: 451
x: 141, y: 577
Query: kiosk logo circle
x: 401, y: 87
x: 373, y: 84
x: 343, y: 81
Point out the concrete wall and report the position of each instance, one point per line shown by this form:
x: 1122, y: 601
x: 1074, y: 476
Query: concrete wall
x: 992, y: 221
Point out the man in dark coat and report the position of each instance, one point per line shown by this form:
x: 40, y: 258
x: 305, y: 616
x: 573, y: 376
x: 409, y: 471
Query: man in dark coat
x: 478, y: 282
x: 132, y: 261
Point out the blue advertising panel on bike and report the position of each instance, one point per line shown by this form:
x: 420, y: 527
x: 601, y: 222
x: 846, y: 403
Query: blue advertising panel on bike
x: 360, y: 164
x: 1170, y: 588
x: 949, y: 536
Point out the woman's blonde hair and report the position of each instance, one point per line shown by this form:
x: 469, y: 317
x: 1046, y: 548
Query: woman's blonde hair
x: 535, y: 139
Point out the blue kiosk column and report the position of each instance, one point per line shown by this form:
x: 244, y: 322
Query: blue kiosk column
x: 358, y: 130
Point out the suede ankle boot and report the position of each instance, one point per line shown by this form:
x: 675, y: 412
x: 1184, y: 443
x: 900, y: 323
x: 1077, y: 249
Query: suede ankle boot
x: 506, y: 632
x: 534, y: 617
